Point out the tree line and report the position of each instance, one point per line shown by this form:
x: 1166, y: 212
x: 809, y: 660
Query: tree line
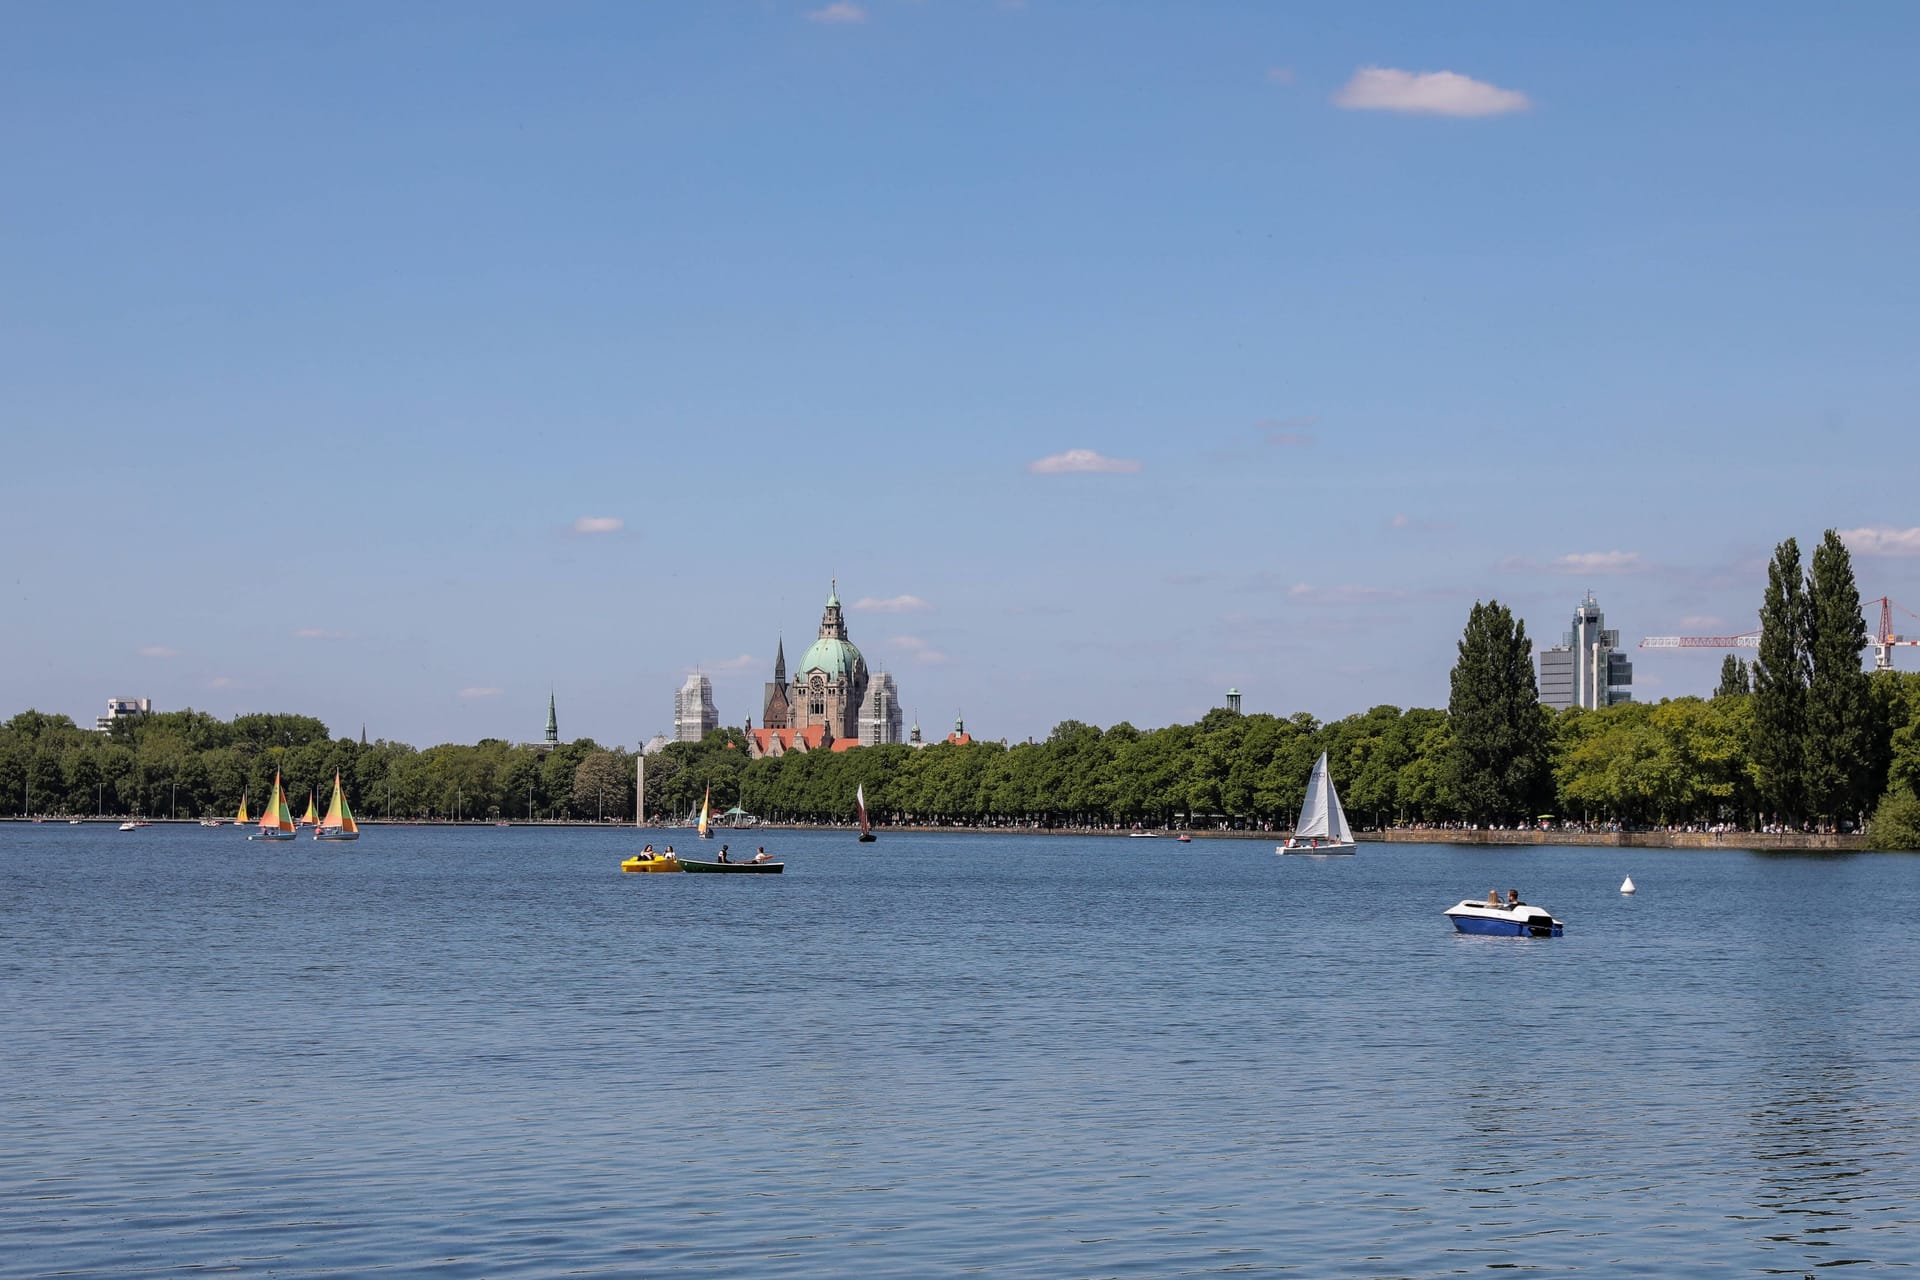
x: 1802, y: 736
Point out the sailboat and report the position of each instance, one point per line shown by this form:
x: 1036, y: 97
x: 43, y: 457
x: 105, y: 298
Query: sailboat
x: 339, y: 823
x: 276, y: 820
x: 1322, y: 827
x: 312, y: 818
x: 241, y: 819
x: 706, y: 804
x: 866, y: 828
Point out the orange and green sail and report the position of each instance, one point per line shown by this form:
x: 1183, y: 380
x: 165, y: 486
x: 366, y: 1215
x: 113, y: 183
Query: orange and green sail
x: 277, y: 816
x: 311, y: 816
x: 705, y: 805
x: 242, y: 818
x: 339, y: 816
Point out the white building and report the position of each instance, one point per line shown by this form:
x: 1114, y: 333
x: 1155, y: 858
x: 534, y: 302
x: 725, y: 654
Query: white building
x: 122, y: 709
x: 880, y: 716
x: 694, y: 716
x: 1587, y: 668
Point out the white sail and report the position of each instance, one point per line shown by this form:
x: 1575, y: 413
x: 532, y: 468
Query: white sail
x: 1312, y: 822
x: 1336, y: 814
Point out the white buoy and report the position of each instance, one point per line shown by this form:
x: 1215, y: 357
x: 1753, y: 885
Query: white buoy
x: 1626, y: 886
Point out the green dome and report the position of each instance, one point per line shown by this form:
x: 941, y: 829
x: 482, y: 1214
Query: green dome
x: 835, y: 657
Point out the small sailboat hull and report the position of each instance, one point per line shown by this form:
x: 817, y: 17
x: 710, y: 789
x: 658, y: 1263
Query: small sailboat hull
x: 271, y: 835
x: 1523, y: 921
x: 1315, y: 851
x: 334, y: 833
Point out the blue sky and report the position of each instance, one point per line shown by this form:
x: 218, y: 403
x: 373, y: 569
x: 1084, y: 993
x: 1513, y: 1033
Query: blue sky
x: 393, y: 363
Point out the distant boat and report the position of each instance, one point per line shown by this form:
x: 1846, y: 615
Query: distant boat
x: 1143, y: 835
x: 706, y: 804
x: 276, y: 821
x: 311, y: 818
x: 1184, y: 838
x: 1517, y: 921
x: 74, y: 822
x: 241, y: 819
x: 734, y: 868
x: 860, y: 801
x: 132, y: 826
x: 1322, y: 827
x: 339, y: 823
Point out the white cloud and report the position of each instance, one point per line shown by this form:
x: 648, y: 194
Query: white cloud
x: 321, y: 633
x: 1880, y: 540
x: 1081, y: 460
x: 159, y: 651
x: 1279, y: 75
x: 481, y: 691
x: 222, y: 682
x: 840, y: 11
x: 1700, y: 621
x: 740, y: 663
x: 1598, y: 562
x: 893, y: 604
x: 1428, y: 93
x: 919, y: 650
x: 599, y: 524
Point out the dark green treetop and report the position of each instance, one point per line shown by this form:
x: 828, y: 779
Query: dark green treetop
x: 1497, y: 763
x: 1780, y: 688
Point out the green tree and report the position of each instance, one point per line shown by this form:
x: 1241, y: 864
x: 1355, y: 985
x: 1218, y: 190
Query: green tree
x: 1498, y: 759
x: 1734, y: 680
x: 1780, y: 688
x: 1841, y: 745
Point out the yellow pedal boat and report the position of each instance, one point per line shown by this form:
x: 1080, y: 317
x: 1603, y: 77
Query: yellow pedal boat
x: 659, y: 862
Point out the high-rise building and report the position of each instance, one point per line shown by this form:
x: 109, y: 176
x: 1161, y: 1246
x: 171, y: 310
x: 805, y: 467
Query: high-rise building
x: 694, y: 716
x: 123, y: 709
x: 880, y: 715
x: 1587, y: 668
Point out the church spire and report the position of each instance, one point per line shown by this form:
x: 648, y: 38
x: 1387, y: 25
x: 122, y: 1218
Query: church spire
x: 553, y: 722
x: 780, y: 661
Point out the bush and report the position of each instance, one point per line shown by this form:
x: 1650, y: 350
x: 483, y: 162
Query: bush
x: 1896, y: 823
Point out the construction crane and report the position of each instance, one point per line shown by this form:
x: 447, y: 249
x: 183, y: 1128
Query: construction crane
x: 1883, y: 640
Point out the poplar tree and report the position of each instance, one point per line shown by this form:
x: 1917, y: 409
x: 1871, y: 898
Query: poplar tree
x: 1733, y: 679
x: 1780, y: 688
x: 1840, y: 746
x: 1497, y: 762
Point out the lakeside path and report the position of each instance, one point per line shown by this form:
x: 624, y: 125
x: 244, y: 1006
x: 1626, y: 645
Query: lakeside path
x: 1783, y: 842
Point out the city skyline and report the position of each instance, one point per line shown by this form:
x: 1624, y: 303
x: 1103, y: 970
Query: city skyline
x: 393, y: 370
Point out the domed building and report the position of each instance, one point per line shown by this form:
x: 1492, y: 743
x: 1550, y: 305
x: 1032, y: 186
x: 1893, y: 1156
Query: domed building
x: 829, y: 683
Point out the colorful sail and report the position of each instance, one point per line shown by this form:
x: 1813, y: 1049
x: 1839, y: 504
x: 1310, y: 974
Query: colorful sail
x: 339, y: 816
x: 311, y: 816
x: 243, y: 817
x: 277, y: 816
x: 860, y: 799
x: 706, y: 802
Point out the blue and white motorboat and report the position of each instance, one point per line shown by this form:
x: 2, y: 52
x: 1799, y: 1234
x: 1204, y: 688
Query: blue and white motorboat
x: 1521, y: 920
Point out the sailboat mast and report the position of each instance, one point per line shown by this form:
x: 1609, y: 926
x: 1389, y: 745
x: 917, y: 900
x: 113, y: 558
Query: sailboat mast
x: 640, y: 791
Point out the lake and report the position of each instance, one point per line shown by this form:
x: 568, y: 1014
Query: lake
x: 485, y: 1052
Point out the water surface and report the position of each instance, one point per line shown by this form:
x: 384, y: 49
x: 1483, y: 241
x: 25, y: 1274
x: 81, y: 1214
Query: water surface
x: 484, y: 1052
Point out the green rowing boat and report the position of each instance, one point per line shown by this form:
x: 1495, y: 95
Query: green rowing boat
x: 741, y: 868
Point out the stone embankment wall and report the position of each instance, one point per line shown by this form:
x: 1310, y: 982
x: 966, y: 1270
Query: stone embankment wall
x: 1786, y: 840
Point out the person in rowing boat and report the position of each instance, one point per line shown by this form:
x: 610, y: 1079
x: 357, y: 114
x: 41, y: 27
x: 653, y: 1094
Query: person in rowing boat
x: 723, y: 854
x: 763, y: 855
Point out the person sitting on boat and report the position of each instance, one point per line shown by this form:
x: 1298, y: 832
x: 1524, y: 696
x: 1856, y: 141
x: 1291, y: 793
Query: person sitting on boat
x: 1513, y: 899
x: 763, y: 855
x: 1493, y: 897
x: 723, y: 854
x: 647, y: 852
